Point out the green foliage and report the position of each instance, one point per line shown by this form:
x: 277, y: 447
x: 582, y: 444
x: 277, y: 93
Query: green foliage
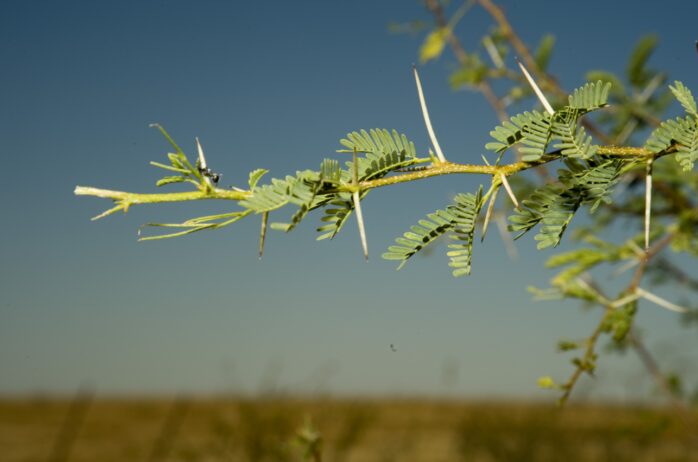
x: 685, y: 97
x: 336, y: 215
x: 680, y: 133
x: 471, y: 72
x: 532, y: 129
x: 384, y: 152
x: 619, y: 321
x: 457, y: 221
x: 179, y: 163
x: 535, y: 130
x: 574, y: 142
x: 553, y: 205
x: 590, y: 97
x: 636, y: 97
x: 194, y: 225
x: 587, y: 179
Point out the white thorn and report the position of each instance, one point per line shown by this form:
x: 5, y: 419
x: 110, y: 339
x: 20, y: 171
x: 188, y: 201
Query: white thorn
x: 360, y: 222
x: 505, y: 182
x: 427, y: 120
x: 624, y: 300
x: 648, y: 202
x: 536, y: 89
x: 202, y: 160
x: 660, y: 301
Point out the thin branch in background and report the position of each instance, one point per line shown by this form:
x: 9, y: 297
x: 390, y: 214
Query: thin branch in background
x: 678, y: 275
x: 461, y: 55
x: 652, y: 367
x: 610, y: 306
x: 74, y: 419
x: 427, y: 120
x: 522, y: 50
x: 648, y: 202
x: 508, y: 31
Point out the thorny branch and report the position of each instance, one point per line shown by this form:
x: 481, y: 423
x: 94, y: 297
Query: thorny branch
x: 551, y: 83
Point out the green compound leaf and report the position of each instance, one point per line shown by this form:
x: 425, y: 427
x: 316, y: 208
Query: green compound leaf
x: 466, y: 209
x: 681, y: 132
x: 685, y: 97
x: 197, y: 224
x: 553, y: 205
x: 532, y: 129
x: 457, y: 220
x: 590, y: 97
x: 336, y: 214
x: 384, y: 152
x: 574, y: 142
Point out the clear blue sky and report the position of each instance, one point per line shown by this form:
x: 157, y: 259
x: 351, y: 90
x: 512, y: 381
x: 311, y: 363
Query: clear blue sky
x: 274, y: 85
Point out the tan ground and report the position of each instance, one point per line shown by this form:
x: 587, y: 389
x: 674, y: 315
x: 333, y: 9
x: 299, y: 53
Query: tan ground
x: 229, y: 429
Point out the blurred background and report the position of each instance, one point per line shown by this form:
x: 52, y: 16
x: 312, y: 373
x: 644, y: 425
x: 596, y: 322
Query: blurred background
x: 93, y: 322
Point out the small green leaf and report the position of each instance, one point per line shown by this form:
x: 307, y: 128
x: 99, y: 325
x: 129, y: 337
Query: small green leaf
x: 170, y: 180
x: 433, y: 44
x: 168, y: 137
x: 547, y: 382
x: 168, y: 167
x: 255, y: 176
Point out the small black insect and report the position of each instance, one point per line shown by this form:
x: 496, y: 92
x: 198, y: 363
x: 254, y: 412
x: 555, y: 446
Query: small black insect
x: 208, y: 173
x: 392, y: 347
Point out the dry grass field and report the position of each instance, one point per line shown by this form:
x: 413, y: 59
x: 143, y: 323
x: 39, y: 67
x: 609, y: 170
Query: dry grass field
x: 231, y: 429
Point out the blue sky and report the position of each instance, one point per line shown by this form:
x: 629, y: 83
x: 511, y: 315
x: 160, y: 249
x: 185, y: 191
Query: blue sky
x: 273, y: 85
